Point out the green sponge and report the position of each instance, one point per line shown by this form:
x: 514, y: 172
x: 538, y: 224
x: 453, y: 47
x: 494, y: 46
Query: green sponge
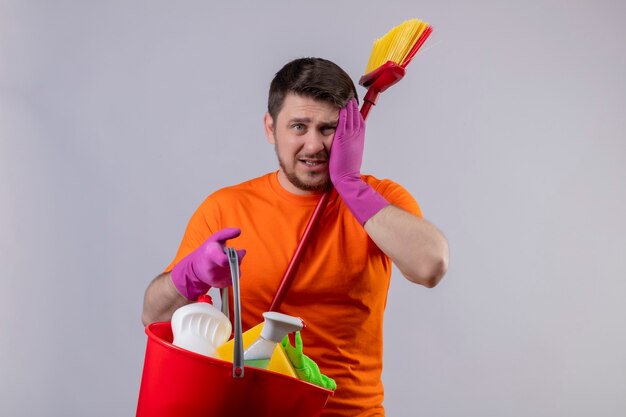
x: 306, y: 369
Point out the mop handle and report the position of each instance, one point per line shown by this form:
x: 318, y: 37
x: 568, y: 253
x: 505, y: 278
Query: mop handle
x: 287, y: 279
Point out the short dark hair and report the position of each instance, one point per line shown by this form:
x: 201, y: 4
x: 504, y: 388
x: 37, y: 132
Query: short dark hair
x: 316, y: 78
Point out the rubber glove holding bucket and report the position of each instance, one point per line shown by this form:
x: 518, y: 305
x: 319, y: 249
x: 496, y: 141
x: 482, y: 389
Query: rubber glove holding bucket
x: 206, y: 267
x: 346, y: 156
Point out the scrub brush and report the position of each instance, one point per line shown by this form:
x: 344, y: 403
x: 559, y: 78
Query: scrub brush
x: 389, y: 58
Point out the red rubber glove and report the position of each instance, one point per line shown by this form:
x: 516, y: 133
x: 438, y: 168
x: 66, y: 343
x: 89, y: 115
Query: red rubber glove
x: 346, y: 155
x: 206, y: 267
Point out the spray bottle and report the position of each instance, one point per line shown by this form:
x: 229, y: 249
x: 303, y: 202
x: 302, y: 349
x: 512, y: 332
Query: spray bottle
x: 275, y: 327
x: 200, y: 327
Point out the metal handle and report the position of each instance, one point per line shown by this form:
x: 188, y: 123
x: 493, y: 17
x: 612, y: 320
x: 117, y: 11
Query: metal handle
x: 238, y: 344
x: 224, y: 295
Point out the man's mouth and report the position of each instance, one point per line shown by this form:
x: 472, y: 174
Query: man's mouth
x: 313, y: 162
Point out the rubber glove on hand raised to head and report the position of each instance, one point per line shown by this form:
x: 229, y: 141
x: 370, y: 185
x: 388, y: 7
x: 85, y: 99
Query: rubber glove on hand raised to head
x: 346, y: 155
x: 206, y: 266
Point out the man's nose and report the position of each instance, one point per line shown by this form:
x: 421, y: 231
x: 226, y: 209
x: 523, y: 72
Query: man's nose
x: 314, y: 141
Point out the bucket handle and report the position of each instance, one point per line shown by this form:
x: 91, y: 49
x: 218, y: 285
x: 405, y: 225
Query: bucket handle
x: 238, y: 345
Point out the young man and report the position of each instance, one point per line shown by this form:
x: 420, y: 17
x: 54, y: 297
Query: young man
x: 340, y: 288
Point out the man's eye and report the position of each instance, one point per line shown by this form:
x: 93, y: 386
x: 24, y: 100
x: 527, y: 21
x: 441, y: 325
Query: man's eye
x: 328, y: 130
x: 297, y: 126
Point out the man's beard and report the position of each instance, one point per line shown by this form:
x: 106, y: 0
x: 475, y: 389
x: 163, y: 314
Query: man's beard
x: 292, y: 177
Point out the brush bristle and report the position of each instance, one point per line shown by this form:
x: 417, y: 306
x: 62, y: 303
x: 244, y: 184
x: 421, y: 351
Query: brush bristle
x: 396, y: 44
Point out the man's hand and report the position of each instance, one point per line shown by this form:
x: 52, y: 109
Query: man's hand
x: 205, y: 267
x: 346, y: 156
x: 347, y: 149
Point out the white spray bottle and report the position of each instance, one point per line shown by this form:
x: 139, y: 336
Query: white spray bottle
x: 200, y: 327
x: 275, y: 327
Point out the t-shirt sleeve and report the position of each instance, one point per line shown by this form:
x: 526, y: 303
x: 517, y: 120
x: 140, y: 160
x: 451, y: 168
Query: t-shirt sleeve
x: 201, y: 225
x: 399, y: 197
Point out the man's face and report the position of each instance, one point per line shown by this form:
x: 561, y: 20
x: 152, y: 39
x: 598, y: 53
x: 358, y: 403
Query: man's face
x: 302, y: 135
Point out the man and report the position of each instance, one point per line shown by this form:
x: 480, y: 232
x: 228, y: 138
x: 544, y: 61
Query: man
x: 340, y: 288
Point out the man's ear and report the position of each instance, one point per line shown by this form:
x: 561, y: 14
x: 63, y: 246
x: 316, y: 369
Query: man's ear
x: 268, y: 121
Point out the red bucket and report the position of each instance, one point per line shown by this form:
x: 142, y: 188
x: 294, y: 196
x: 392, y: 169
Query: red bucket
x: 177, y: 382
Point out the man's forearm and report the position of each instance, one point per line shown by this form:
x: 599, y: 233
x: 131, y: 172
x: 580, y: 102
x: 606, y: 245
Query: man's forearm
x: 418, y: 249
x: 161, y: 300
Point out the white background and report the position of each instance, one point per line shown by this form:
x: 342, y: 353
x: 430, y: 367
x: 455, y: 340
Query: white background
x: 117, y: 118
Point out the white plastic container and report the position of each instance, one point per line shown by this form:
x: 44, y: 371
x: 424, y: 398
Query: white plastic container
x: 275, y: 327
x: 200, y: 327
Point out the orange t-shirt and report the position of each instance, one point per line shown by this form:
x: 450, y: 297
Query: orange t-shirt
x: 339, y: 289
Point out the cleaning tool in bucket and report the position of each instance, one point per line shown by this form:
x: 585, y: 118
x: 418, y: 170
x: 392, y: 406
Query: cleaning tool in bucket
x: 275, y: 327
x: 200, y: 327
x: 279, y: 361
x: 305, y: 367
x: 177, y: 382
x: 387, y: 65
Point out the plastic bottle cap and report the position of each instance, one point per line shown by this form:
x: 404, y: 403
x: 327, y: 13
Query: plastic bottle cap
x: 277, y: 325
x: 205, y: 298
